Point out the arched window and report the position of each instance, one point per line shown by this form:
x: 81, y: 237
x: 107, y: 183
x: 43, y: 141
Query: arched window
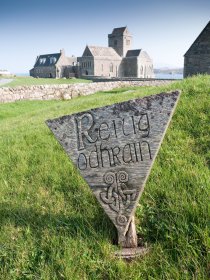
x: 111, y: 67
x: 142, y: 70
x: 151, y: 68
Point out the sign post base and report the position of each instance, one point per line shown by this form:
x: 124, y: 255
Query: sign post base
x: 128, y: 243
x: 129, y: 240
x: 131, y: 253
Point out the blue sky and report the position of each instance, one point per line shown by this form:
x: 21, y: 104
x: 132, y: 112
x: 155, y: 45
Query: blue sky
x: 165, y: 29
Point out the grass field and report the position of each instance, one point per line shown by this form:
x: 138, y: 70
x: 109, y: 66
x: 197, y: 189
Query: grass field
x: 29, y: 81
x: 51, y: 226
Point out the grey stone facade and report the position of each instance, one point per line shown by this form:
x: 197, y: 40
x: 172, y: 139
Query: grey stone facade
x: 120, y: 40
x: 116, y: 60
x: 197, y: 58
x: 100, y: 61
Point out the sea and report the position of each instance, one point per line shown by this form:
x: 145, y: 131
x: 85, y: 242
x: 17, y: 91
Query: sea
x: 169, y: 76
x: 22, y: 74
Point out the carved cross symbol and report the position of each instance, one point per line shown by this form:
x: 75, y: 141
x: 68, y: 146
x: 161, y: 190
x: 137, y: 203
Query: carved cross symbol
x: 117, y: 196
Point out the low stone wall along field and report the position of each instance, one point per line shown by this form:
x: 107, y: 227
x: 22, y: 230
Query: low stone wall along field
x: 67, y: 91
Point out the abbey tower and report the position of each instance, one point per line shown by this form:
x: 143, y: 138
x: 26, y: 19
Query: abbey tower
x: 121, y: 40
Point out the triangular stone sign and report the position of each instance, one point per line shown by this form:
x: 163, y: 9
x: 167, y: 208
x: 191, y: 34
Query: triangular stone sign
x: 114, y: 148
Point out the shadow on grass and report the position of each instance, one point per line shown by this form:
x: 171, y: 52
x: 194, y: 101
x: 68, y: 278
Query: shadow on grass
x: 72, y: 226
x: 120, y: 90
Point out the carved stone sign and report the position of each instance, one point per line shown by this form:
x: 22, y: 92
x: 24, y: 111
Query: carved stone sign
x: 114, y: 148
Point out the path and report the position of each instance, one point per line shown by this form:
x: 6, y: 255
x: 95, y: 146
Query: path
x: 5, y: 81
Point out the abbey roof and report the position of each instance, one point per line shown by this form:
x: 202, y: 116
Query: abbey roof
x: 133, y: 53
x: 100, y: 51
x: 47, y: 59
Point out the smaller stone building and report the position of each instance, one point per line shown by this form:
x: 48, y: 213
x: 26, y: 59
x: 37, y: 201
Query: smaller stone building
x: 197, y: 58
x: 137, y: 63
x: 56, y: 65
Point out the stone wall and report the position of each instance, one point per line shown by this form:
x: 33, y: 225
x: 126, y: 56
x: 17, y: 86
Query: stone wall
x: 130, y: 67
x: 65, y: 92
x: 43, y: 71
x: 197, y: 64
x: 145, y: 63
x: 107, y: 67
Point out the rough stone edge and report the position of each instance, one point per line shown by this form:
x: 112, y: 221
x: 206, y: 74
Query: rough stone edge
x: 67, y: 91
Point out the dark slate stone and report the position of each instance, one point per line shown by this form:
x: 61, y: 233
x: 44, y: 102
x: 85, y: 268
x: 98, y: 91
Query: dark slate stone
x: 48, y: 58
x: 114, y: 148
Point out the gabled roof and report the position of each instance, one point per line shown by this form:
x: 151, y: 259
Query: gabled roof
x: 100, y: 51
x: 119, y: 30
x: 87, y: 52
x: 199, y: 38
x: 47, y: 59
x: 145, y: 55
x: 133, y: 53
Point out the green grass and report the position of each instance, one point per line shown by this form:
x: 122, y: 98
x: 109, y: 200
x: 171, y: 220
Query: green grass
x: 51, y: 226
x: 30, y: 81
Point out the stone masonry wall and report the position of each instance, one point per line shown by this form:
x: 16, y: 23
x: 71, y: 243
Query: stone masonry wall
x: 197, y: 58
x: 67, y: 91
x: 106, y: 70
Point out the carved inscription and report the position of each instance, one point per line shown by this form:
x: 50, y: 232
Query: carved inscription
x: 88, y: 131
x: 113, y: 143
x: 117, y: 195
x: 98, y: 136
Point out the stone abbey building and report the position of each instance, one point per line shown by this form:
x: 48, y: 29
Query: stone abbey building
x: 197, y: 58
x: 116, y: 60
x: 54, y: 65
